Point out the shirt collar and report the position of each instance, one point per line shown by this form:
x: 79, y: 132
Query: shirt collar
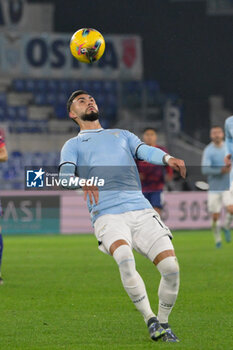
x: 90, y: 130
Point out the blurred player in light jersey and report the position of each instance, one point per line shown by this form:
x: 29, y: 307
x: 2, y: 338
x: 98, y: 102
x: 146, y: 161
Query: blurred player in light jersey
x: 218, y: 179
x: 153, y: 177
x: 3, y: 158
x: 229, y: 147
x: 123, y: 218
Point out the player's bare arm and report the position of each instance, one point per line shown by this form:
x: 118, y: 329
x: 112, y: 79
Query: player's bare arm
x: 3, y: 154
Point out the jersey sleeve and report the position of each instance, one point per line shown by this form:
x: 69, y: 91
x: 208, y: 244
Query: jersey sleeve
x: 151, y: 154
x: 133, y: 141
x: 229, y: 135
x: 141, y: 151
x: 69, y: 152
x: 67, y: 172
x: 206, y: 164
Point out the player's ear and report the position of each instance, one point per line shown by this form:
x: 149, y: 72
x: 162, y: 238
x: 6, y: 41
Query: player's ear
x: 72, y: 115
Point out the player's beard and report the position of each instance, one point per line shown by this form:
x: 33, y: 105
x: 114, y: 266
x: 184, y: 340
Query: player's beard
x: 218, y: 140
x: 90, y: 117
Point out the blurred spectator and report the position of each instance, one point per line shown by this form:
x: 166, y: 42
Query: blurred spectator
x: 153, y: 177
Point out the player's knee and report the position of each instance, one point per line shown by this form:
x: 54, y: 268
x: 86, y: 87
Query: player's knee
x: 125, y: 259
x: 215, y: 216
x: 169, y: 269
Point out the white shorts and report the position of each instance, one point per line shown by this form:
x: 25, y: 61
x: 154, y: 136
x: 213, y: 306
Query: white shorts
x: 143, y: 230
x: 217, y: 200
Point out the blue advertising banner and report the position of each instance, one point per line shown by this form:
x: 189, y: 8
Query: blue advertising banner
x: 48, y: 55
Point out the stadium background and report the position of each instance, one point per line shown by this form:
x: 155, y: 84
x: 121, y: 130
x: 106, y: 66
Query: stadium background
x: 168, y: 64
x: 157, y: 71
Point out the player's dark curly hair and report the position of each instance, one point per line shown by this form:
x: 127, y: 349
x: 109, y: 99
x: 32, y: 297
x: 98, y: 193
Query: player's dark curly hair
x: 148, y: 128
x: 72, y: 97
x: 216, y: 126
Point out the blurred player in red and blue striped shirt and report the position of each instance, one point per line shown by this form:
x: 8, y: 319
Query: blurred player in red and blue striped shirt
x: 3, y: 158
x: 153, y: 177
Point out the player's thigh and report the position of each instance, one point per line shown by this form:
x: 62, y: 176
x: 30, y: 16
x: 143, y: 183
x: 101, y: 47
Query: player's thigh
x: 215, y: 202
x: 149, y: 230
x: 161, y: 249
x: 110, y: 228
x: 228, y: 198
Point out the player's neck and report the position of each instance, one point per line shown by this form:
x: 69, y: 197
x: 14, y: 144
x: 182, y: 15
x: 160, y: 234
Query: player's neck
x: 218, y: 144
x: 90, y: 125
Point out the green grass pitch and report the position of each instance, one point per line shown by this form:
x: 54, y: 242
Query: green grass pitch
x: 61, y: 292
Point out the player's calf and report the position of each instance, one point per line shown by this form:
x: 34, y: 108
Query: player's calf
x: 168, y: 291
x: 216, y: 230
x: 132, y: 281
x: 227, y: 224
x: 168, y: 288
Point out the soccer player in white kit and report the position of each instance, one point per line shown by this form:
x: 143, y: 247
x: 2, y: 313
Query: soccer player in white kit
x: 123, y: 218
x: 229, y: 146
x: 219, y: 195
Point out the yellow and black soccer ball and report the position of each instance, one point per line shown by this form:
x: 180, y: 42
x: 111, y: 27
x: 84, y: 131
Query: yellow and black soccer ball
x: 87, y: 45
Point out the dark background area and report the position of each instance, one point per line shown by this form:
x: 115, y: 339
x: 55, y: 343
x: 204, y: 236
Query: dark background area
x: 187, y: 51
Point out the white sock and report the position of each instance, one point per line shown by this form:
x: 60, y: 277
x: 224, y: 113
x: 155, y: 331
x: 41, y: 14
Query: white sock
x: 228, y: 220
x: 132, y: 281
x: 216, y: 231
x: 168, y: 288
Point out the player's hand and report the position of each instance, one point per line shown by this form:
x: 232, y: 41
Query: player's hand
x: 178, y: 165
x: 91, y: 192
x: 227, y: 160
x: 226, y: 169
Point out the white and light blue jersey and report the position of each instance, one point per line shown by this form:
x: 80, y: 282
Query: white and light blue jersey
x: 212, y: 163
x: 98, y: 152
x: 229, y: 141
